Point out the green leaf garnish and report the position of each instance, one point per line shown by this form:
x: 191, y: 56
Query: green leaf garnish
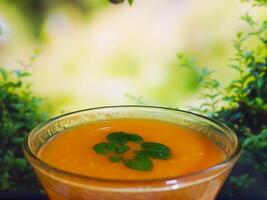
x: 122, y: 149
x: 115, y: 159
x: 117, y: 138
x: 122, y: 138
x: 104, y: 148
x: 117, y: 145
x: 134, y: 138
x: 140, y: 162
x: 156, y: 150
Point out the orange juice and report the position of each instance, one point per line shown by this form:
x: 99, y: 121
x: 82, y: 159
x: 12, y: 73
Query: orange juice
x: 132, y: 153
x: 72, y: 150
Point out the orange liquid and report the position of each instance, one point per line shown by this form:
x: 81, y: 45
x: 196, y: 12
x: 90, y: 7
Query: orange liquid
x: 72, y: 150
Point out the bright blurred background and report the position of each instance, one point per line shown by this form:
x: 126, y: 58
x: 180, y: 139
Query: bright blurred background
x: 93, y: 53
x: 88, y: 53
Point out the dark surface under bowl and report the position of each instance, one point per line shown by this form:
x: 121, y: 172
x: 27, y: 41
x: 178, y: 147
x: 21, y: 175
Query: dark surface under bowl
x: 15, y: 195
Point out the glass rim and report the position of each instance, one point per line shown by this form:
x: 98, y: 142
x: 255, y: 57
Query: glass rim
x: 43, y: 165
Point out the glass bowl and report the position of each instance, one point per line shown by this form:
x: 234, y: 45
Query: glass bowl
x: 200, y: 185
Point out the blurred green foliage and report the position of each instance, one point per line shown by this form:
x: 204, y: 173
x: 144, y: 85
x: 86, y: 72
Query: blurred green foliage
x: 244, y: 108
x: 121, y: 1
x: 36, y: 11
x: 19, y: 113
x: 256, y: 2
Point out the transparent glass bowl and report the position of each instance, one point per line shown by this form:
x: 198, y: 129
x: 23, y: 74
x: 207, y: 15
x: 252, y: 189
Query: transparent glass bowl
x: 200, y: 185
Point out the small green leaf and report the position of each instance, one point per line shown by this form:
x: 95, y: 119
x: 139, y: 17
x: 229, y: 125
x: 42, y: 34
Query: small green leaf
x: 21, y: 163
x: 117, y: 138
x: 141, y: 162
x: 156, y: 150
x: 259, y: 101
x: 3, y: 73
x: 18, y: 140
x: 215, y: 83
x: 122, y: 149
x: 104, y: 148
x: 20, y: 73
x: 122, y: 138
x: 134, y: 138
x: 115, y: 159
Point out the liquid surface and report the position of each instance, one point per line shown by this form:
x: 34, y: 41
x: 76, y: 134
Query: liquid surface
x: 72, y: 150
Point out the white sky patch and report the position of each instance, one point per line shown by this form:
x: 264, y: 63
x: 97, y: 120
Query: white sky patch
x: 5, y: 32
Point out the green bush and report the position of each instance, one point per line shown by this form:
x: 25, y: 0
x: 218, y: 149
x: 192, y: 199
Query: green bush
x: 246, y: 112
x: 19, y: 113
x: 243, y: 107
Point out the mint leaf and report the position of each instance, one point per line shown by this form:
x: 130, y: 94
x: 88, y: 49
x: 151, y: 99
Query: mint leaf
x: 122, y: 149
x: 156, y: 150
x: 122, y: 138
x: 141, y: 162
x: 117, y: 145
x: 104, y: 148
x: 115, y: 159
x: 134, y: 138
x: 117, y: 138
